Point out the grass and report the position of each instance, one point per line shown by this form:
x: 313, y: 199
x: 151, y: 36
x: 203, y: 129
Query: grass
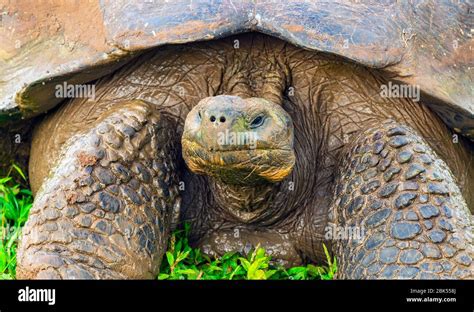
x: 15, y: 204
x: 181, y: 260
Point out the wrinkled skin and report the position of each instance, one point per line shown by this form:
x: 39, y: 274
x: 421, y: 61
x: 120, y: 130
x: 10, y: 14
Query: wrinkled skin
x: 241, y: 142
x: 385, y: 164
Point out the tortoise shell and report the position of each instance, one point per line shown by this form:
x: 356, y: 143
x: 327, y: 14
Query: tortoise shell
x: 424, y: 43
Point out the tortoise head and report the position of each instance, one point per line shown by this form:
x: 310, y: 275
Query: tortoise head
x: 239, y: 141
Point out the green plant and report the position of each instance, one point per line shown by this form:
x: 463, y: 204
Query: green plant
x: 181, y: 260
x: 15, y: 204
x: 184, y: 262
x: 314, y: 272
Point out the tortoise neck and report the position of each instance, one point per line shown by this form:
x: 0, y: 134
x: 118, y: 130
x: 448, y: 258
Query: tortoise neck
x: 243, y: 203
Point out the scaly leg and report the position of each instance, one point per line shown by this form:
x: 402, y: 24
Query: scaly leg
x: 404, y: 200
x: 104, y: 211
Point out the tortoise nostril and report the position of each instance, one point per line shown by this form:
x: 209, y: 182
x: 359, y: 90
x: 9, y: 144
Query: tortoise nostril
x: 222, y: 119
x: 199, y: 114
x: 212, y: 119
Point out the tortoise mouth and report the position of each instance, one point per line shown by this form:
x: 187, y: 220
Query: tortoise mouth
x: 233, y: 148
x: 239, y: 165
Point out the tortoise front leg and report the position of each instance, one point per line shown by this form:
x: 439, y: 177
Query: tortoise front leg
x: 105, y: 209
x: 403, y: 199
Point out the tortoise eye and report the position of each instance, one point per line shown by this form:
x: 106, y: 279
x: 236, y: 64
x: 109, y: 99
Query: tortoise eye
x: 257, y: 122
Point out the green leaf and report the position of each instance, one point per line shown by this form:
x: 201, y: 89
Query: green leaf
x: 245, y: 263
x: 170, y: 258
x: 182, y: 256
x: 19, y: 171
x: 270, y: 273
x: 296, y: 270
x: 177, y: 246
x: 162, y: 276
x: 260, y: 253
x: 328, y: 257
x: 258, y: 275
x: 227, y: 255
x: 213, y: 268
x: 190, y: 272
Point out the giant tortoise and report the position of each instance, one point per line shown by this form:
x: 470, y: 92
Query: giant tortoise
x: 284, y: 124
